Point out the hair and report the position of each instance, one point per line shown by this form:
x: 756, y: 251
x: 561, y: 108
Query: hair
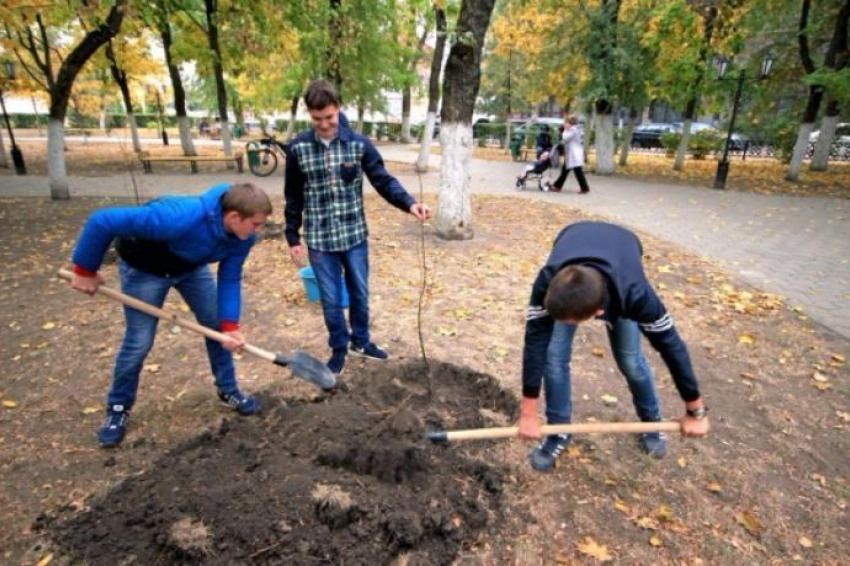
x: 247, y: 199
x: 572, y: 120
x: 575, y: 293
x: 320, y: 94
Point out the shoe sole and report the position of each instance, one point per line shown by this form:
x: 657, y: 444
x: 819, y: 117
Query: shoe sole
x: 359, y: 355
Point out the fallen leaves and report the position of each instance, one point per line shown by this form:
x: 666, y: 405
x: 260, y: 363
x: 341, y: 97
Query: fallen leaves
x: 746, y: 339
x: 750, y: 522
x: 714, y: 487
x: 10, y: 404
x: 598, y: 352
x: 609, y: 399
x: 590, y: 547
x: 48, y: 326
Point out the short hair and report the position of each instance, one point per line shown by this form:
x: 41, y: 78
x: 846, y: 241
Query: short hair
x: 575, y: 293
x: 572, y: 120
x: 320, y: 94
x: 247, y: 199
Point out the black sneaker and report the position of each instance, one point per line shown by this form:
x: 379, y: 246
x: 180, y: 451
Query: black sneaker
x: 543, y: 457
x: 654, y: 444
x: 112, y: 432
x: 369, y: 350
x: 243, y: 404
x: 337, y: 362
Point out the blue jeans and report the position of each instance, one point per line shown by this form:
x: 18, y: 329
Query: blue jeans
x: 198, y: 289
x: 328, y: 268
x: 625, y: 344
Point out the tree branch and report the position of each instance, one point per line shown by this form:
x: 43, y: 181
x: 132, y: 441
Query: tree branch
x: 803, y: 39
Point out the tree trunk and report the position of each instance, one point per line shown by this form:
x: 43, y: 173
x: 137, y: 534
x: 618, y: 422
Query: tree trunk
x: 405, y: 115
x: 60, y: 94
x: 604, y: 123
x: 101, y: 119
x: 184, y: 127
x: 332, y: 55
x: 433, y: 91
x: 120, y: 77
x: 218, y: 71
x: 626, y: 144
x: 682, y: 150
x: 35, y: 113
x: 3, y: 162
x: 820, y: 159
x: 801, y: 148
x: 134, y: 132
x: 361, y: 112
x: 453, y: 220
x: 293, y: 112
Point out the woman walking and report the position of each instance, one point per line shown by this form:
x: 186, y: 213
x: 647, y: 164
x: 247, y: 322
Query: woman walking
x: 573, y: 156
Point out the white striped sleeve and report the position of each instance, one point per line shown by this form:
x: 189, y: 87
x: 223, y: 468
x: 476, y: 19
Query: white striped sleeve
x: 661, y: 325
x: 534, y: 312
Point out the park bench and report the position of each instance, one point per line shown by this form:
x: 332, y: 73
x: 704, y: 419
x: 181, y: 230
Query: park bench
x: 69, y: 132
x: 147, y: 160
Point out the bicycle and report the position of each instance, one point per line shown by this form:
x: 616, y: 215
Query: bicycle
x: 262, y: 155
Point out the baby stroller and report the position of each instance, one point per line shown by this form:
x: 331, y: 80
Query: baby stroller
x: 548, y: 160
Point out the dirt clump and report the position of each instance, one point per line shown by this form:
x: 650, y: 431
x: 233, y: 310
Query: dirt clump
x: 346, y: 478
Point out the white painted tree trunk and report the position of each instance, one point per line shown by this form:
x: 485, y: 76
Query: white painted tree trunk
x: 682, y: 150
x: 405, y: 129
x: 102, y: 120
x: 453, y: 220
x: 800, y: 149
x: 35, y: 113
x: 425, y: 148
x: 626, y: 144
x: 186, y: 141
x: 290, y: 127
x: 134, y: 133
x: 820, y: 160
x: 604, y: 144
x: 56, y: 160
x: 225, y: 138
x: 3, y: 161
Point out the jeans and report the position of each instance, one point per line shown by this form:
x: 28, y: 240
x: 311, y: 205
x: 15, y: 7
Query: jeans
x: 198, y: 289
x: 328, y: 267
x: 562, y: 178
x: 624, y: 337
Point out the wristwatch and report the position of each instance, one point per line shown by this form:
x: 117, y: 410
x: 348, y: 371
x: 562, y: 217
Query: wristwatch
x: 699, y: 413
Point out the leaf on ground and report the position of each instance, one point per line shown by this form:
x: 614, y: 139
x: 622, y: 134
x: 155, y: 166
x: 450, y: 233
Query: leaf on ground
x: 838, y: 358
x: 49, y: 326
x: 818, y: 376
x: 746, y: 339
x: 805, y: 541
x: 590, y: 547
x: 655, y: 540
x: 664, y: 269
x: 46, y: 559
x: 152, y: 368
x: 90, y: 410
x: 598, y: 352
x: 184, y: 307
x: 746, y: 375
x: 622, y: 506
x: 664, y: 513
x: 609, y: 399
x: 749, y: 522
x: 683, y: 463
x: 844, y: 416
x: 714, y: 487
x: 443, y: 331
x: 649, y: 523
x: 9, y: 404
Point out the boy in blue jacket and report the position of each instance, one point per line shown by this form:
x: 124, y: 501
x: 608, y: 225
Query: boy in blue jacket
x: 324, y: 190
x: 169, y: 243
x: 595, y: 270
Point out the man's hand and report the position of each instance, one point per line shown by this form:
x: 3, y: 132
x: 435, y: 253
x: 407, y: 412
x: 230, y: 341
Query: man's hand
x: 693, y: 427
x: 88, y: 285
x: 298, y: 255
x: 236, y: 342
x: 529, y: 422
x: 420, y: 211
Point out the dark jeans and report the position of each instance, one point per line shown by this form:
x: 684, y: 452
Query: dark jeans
x: 328, y: 267
x: 562, y: 178
x: 198, y: 289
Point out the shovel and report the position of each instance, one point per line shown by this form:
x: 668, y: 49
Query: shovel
x: 303, y: 365
x: 444, y: 436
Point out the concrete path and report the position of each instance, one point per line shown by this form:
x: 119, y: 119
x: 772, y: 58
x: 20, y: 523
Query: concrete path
x: 795, y: 246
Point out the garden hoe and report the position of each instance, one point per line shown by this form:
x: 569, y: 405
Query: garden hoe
x: 444, y: 436
x: 303, y: 365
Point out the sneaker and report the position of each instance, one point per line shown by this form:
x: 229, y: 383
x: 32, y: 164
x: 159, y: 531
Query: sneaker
x: 337, y: 362
x: 243, y: 404
x: 654, y: 444
x: 543, y: 457
x: 520, y: 183
x: 369, y: 350
x: 112, y: 432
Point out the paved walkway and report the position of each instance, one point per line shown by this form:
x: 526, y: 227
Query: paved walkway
x: 795, y: 246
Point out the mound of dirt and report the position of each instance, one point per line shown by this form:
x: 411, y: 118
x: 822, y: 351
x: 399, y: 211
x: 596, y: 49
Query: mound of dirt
x: 344, y: 479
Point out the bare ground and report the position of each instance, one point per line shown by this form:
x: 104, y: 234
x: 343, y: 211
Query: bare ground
x: 769, y: 485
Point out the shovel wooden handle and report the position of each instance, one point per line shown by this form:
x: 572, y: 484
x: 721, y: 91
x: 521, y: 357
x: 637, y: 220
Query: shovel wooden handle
x: 580, y: 428
x: 165, y: 315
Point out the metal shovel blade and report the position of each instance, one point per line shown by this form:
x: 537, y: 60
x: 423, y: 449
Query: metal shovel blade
x: 307, y: 367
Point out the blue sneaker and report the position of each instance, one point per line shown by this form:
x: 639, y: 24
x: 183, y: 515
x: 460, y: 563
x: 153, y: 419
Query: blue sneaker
x: 337, y: 362
x: 112, y: 432
x: 543, y: 457
x: 243, y: 404
x: 654, y: 444
x: 369, y: 350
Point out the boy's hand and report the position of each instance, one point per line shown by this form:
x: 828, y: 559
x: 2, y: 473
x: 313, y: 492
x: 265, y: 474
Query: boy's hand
x: 298, y: 255
x: 693, y: 427
x: 236, y: 342
x: 86, y: 284
x: 420, y: 211
x: 529, y: 422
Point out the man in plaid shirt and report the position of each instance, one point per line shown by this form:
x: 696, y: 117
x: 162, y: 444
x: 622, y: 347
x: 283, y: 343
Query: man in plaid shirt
x: 324, y: 190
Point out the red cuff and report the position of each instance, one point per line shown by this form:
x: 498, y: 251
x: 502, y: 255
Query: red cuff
x: 229, y: 326
x: 80, y: 270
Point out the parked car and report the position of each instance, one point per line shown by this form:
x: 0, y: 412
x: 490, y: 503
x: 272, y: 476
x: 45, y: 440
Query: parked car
x: 649, y: 135
x: 532, y: 127
x: 841, y: 143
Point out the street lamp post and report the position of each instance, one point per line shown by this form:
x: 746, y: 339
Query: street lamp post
x: 17, y: 156
x: 723, y: 65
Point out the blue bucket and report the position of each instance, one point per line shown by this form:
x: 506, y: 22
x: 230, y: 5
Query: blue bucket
x: 312, y: 286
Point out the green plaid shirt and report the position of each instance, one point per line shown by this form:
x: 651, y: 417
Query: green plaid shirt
x: 324, y: 189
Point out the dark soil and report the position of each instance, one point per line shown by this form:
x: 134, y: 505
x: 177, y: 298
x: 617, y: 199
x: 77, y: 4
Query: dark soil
x: 347, y: 478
